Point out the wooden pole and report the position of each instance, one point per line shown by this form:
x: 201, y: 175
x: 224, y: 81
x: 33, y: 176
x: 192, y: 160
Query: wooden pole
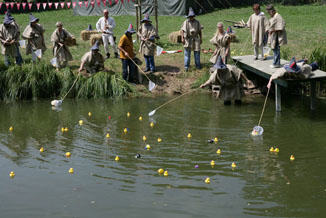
x: 156, y: 15
x: 137, y: 21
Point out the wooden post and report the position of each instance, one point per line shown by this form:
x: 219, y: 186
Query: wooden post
x: 137, y: 21
x: 312, y: 95
x: 278, y: 97
x: 156, y: 15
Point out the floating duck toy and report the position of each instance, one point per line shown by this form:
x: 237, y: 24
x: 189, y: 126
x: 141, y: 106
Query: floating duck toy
x: 233, y: 165
x: 107, y: 135
x: 125, y: 130
x: 189, y: 135
x: 117, y: 158
x: 137, y: 156
x: 212, y: 163
x: 11, y: 129
x: 165, y: 173
x: 218, y: 151
x: 276, y: 150
x: 81, y: 122
x: 151, y: 124
x: 66, y: 129
x: 109, y: 117
x: 292, y: 158
x: 56, y: 103
x: 144, y: 138
x: 196, y: 166
x: 12, y: 174
x: 215, y: 139
x: 207, y: 180
x: 160, y: 171
x: 159, y: 140
x: 128, y: 114
x: 62, y: 129
x: 147, y: 147
x: 41, y: 149
x: 89, y: 114
x: 68, y: 154
x: 271, y: 149
x: 140, y: 118
x: 71, y: 170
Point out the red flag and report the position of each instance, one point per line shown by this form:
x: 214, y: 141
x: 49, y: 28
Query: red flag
x: 44, y: 6
x: 24, y: 5
x: 86, y: 3
x: 68, y: 4
x: 7, y: 5
x: 80, y: 4
x: 110, y: 2
x: 104, y: 2
x: 18, y: 5
x: 30, y: 5
x: 56, y: 4
x: 98, y: 3
x: 62, y: 4
x: 74, y: 4
x: 12, y: 4
x: 50, y: 4
x: 92, y: 3
x: 38, y: 6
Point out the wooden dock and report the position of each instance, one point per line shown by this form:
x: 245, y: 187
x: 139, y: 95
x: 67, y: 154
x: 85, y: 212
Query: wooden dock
x: 263, y: 69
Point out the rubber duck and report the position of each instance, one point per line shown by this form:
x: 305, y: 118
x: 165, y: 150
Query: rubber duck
x: 254, y: 133
x: 233, y: 165
x: 109, y: 117
x: 107, y: 135
x: 292, y: 158
x: 144, y: 138
x: 148, y: 147
x: 81, y: 122
x: 117, y: 158
x: 212, y: 163
x: 89, y: 114
x: 276, y: 150
x: 68, y: 154
x: 137, y: 156
x: 189, y: 135
x: 11, y: 128
x: 159, y: 140
x: 196, y: 166
x: 125, y: 130
x: 41, y: 149
x: 151, y: 124
x: 71, y: 170
x: 218, y: 151
x: 215, y: 139
x: 140, y: 118
x: 271, y: 149
x: 12, y: 174
x: 165, y: 173
x: 62, y: 129
x: 160, y: 171
x: 66, y: 129
x: 128, y: 114
x: 207, y: 180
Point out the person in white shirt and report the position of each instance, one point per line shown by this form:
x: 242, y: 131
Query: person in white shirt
x: 106, y: 25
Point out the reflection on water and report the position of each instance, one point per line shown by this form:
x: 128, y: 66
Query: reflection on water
x: 263, y: 184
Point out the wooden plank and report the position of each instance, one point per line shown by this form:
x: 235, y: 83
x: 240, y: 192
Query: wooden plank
x: 278, y: 99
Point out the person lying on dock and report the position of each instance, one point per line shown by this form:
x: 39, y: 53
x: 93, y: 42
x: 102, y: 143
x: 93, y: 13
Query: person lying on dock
x: 294, y: 70
x: 230, y: 78
x: 92, y: 62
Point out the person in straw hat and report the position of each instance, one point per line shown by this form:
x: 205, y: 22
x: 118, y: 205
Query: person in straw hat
x: 191, y: 38
x: 147, y: 34
x: 9, y: 37
x: 222, y: 42
x: 60, y: 50
x: 92, y: 61
x: 106, y: 25
x: 34, y: 34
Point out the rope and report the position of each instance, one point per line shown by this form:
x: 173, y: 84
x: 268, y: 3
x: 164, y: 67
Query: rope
x: 70, y: 87
x: 262, y: 113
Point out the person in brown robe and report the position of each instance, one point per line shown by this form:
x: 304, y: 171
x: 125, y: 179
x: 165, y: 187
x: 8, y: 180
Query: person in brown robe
x: 92, y: 61
x: 9, y: 37
x: 258, y: 25
x: 34, y: 34
x: 59, y: 38
x: 222, y: 42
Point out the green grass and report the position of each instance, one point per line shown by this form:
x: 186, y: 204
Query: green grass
x: 305, y: 27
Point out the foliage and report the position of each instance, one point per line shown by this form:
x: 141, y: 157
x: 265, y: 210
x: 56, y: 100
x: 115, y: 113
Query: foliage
x: 319, y: 55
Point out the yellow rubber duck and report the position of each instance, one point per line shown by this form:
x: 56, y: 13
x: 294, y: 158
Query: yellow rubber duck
x: 148, y: 147
x: 218, y: 151
x: 144, y: 138
x: 140, y: 118
x: 41, y: 149
x: 68, y: 154
x: 207, y: 180
x: 117, y: 158
x: 215, y: 139
x: 62, y: 129
x: 276, y: 150
x: 128, y: 114
x: 66, y: 129
x: 12, y: 174
x: 159, y: 140
x: 89, y: 114
x: 160, y: 171
x: 107, y: 135
x: 151, y: 124
x: 271, y: 149
x: 292, y: 158
x: 233, y: 165
x: 71, y: 170
x: 212, y: 163
x: 81, y: 122
x: 189, y: 135
x: 125, y: 130
x: 165, y: 173
x: 11, y: 128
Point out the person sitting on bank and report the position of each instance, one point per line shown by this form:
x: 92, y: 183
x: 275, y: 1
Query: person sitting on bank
x: 34, y: 34
x: 230, y: 79
x: 258, y: 25
x: 277, y: 34
x: 191, y: 38
x: 147, y: 34
x: 60, y: 50
x: 9, y: 37
x: 222, y: 41
x: 127, y: 54
x: 106, y: 25
x: 92, y: 62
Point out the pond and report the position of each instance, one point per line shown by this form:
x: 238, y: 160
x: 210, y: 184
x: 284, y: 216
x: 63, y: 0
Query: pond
x: 263, y: 183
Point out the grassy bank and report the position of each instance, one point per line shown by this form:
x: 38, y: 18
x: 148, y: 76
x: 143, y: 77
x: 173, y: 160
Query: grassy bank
x: 305, y: 26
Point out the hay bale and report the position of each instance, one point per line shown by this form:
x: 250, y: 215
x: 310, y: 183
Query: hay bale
x: 96, y: 37
x: 70, y: 42
x: 86, y: 34
x: 175, y: 37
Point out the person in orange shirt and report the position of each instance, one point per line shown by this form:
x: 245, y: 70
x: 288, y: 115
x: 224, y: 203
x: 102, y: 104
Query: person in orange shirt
x: 126, y: 47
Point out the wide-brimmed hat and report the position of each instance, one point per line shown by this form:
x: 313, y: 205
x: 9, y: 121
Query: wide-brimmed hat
x: 8, y: 13
x: 89, y: 28
x: 130, y: 29
x: 146, y: 18
x: 191, y: 13
x: 96, y: 46
x: 292, y: 67
x: 7, y: 19
x: 219, y: 63
x: 32, y: 19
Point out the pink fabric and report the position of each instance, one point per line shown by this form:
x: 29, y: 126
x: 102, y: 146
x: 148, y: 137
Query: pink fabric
x: 68, y: 4
x: 86, y: 3
x: 56, y: 4
x: 18, y: 5
x: 50, y: 4
x: 74, y: 4
x: 62, y: 4
x: 38, y: 6
x: 44, y: 5
x: 30, y: 5
x: 12, y: 4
